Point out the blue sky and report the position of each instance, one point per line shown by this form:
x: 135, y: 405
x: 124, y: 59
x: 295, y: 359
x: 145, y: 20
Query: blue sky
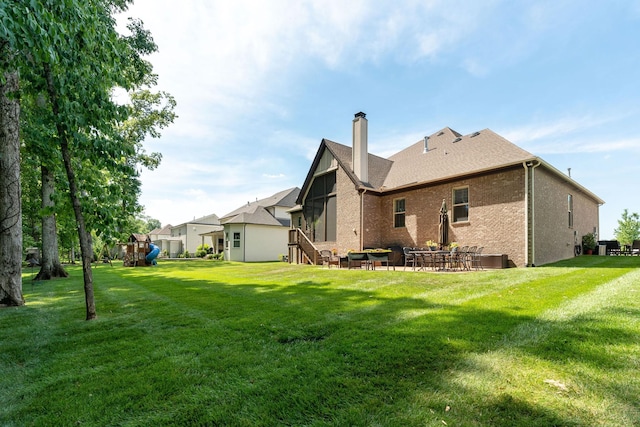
x: 260, y: 83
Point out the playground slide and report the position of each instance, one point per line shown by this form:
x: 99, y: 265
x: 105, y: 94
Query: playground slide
x: 151, y: 256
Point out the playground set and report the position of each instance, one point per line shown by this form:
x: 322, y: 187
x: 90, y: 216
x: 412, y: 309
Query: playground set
x: 140, y: 251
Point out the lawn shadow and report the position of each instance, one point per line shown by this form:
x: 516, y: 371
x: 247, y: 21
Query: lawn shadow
x: 315, y: 351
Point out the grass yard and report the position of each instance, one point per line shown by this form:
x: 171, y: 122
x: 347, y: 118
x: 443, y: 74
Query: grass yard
x: 207, y: 344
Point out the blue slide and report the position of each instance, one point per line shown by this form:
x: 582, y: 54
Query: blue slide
x: 151, y: 256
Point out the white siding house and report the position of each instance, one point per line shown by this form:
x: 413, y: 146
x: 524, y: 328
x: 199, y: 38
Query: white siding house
x: 258, y: 231
x: 189, y: 234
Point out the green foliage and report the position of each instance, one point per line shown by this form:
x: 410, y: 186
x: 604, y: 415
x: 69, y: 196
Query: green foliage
x: 202, y: 250
x: 589, y: 241
x: 62, y: 46
x: 196, y: 343
x: 152, y: 224
x: 628, y: 228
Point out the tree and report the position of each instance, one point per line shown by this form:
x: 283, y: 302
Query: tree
x: 628, y: 228
x: 153, y: 224
x: 64, y: 45
x: 10, y: 191
x: 36, y: 131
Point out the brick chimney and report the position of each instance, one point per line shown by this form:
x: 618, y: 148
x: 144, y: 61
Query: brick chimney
x: 360, y: 158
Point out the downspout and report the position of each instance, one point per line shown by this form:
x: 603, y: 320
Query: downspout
x: 364, y: 190
x: 244, y: 242
x: 526, y: 214
x: 530, y: 227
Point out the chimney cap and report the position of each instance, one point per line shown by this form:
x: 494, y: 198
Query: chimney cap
x: 360, y: 114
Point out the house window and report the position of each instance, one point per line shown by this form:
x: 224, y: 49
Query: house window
x: 236, y: 240
x: 461, y: 204
x: 570, y: 209
x: 320, y: 208
x: 398, y: 213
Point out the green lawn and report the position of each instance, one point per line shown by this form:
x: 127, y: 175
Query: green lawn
x: 211, y: 343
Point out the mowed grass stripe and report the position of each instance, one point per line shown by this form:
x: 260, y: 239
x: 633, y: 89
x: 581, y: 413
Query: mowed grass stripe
x: 200, y: 343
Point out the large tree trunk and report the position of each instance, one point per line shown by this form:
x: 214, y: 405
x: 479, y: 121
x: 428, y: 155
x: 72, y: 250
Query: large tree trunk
x: 50, y: 264
x: 10, y: 191
x: 85, y: 238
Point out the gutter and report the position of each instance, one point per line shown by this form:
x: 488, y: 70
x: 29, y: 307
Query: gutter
x: 529, y: 222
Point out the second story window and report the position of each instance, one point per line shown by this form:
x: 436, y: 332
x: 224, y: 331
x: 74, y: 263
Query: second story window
x: 570, y: 209
x: 399, y: 213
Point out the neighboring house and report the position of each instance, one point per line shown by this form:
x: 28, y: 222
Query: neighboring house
x: 189, y: 235
x: 498, y: 195
x: 160, y: 233
x: 162, y: 238
x: 259, y: 230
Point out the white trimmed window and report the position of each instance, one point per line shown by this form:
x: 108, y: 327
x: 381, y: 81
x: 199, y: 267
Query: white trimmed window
x: 399, y: 211
x: 236, y: 240
x: 461, y: 204
x: 570, y: 209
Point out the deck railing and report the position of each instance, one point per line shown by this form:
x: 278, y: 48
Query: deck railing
x: 302, y: 249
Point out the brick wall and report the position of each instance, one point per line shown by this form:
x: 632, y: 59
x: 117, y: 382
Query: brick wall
x: 496, y: 216
x: 348, y: 216
x: 554, y: 238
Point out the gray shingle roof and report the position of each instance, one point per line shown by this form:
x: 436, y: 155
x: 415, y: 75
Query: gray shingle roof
x: 254, y: 215
x: 284, y: 198
x: 450, y: 155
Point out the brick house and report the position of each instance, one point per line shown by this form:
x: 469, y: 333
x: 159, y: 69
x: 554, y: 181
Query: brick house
x: 498, y: 195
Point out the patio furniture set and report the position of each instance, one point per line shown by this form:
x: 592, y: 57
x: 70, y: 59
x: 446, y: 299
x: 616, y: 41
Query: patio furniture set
x: 465, y: 258
x: 368, y: 259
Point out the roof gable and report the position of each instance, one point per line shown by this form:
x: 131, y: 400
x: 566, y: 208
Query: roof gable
x: 378, y: 166
x: 255, y: 211
x: 284, y: 198
x: 254, y: 215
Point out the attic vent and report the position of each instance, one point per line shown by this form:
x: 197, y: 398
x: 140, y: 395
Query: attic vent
x: 475, y: 134
x: 456, y: 140
x: 440, y: 133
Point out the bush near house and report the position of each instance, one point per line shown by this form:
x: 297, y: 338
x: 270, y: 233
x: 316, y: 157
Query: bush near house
x: 588, y: 242
x: 203, y: 250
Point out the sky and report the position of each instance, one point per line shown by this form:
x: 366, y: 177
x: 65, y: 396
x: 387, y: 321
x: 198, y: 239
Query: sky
x: 258, y: 84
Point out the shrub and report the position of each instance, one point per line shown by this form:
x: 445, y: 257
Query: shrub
x: 589, y: 241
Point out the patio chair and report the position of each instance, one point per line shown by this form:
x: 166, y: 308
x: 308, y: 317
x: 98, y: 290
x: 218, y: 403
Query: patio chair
x: 453, y: 258
x: 428, y: 259
x: 468, y: 259
x: 476, y: 260
x: 329, y: 259
x: 635, y: 247
x: 409, y: 258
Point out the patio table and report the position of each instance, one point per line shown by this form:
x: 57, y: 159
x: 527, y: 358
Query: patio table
x: 369, y: 258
